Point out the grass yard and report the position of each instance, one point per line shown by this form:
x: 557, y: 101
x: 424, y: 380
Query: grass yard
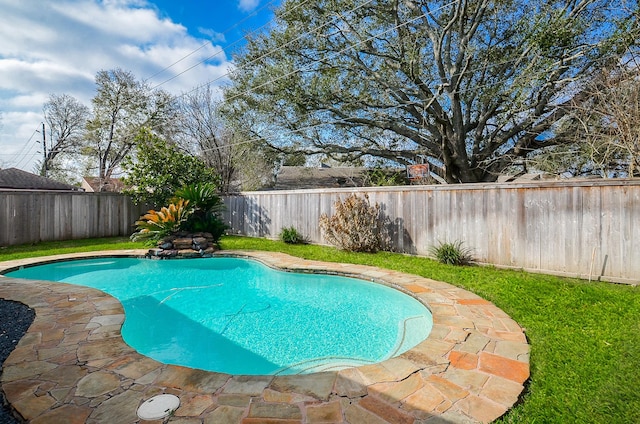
x: 584, y: 336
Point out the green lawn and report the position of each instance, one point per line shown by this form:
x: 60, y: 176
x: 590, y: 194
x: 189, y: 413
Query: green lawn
x: 585, y: 337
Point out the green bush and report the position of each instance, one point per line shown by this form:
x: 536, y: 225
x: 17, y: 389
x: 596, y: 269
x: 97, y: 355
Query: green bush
x: 291, y: 236
x: 452, y: 253
x: 379, y: 177
x: 159, y: 169
x: 206, y: 207
x: 355, y: 226
x: 202, y: 196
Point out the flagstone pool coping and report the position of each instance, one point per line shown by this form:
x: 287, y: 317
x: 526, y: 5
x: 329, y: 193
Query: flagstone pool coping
x: 73, y: 366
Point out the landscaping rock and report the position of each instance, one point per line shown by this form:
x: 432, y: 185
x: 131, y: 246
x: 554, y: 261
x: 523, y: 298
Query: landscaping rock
x: 171, y: 253
x: 200, y: 243
x: 188, y: 253
x: 184, y: 245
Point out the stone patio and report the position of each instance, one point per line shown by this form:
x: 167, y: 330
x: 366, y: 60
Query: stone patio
x: 72, y: 366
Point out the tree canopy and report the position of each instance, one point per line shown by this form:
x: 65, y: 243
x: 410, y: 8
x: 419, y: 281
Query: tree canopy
x: 603, y: 134
x: 159, y: 169
x: 472, y: 86
x: 123, y: 106
x: 204, y: 134
x: 66, y: 118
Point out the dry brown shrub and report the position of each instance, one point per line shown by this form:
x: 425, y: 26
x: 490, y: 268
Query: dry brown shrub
x: 355, y: 226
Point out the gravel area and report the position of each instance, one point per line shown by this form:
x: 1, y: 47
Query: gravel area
x: 15, y: 319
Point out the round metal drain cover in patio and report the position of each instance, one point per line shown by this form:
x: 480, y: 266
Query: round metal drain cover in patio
x: 158, y: 407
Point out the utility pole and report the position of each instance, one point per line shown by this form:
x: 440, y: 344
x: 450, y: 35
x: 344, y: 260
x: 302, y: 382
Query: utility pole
x: 44, y: 149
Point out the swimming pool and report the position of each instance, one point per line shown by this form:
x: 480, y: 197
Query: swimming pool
x: 239, y: 316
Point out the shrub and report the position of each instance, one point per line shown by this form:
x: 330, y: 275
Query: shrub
x: 206, y: 205
x: 452, y: 253
x: 355, y: 226
x: 159, y: 169
x: 155, y: 225
x: 385, y: 177
x: 291, y: 236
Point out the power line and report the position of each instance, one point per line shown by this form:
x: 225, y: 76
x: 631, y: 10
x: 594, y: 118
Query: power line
x: 432, y: 87
x: 28, y: 154
x: 351, y: 46
x: 289, y: 43
x: 299, y: 5
x: 317, y: 29
x: 254, y: 13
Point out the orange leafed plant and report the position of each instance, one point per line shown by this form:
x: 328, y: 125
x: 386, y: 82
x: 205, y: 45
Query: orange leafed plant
x: 157, y: 224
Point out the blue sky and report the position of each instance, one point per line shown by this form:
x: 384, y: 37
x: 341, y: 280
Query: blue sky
x: 58, y: 46
x: 213, y: 17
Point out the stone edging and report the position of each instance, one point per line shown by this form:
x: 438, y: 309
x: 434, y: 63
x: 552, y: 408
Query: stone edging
x: 73, y: 366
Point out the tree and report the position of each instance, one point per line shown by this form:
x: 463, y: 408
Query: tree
x: 240, y: 159
x: 160, y: 169
x: 66, y: 118
x: 123, y: 106
x: 604, y: 132
x: 472, y: 86
x: 294, y: 159
x: 204, y: 134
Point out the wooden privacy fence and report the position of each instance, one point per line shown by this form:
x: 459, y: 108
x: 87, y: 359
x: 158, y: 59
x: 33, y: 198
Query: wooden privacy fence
x: 589, y: 229
x: 33, y: 216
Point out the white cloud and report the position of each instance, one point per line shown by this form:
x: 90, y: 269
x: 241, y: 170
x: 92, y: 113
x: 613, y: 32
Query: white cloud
x: 248, y: 5
x: 214, y: 36
x: 58, y: 47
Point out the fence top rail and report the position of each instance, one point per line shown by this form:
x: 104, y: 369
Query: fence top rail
x: 612, y: 182
x: 59, y: 192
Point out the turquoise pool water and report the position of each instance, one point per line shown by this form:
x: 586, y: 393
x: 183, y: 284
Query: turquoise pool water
x: 239, y: 316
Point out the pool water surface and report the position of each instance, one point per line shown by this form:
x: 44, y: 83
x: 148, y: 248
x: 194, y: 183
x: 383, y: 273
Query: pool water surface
x: 238, y: 316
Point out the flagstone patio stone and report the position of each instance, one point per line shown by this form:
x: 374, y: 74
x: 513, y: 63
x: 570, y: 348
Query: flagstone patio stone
x: 97, y: 383
x: 72, y: 366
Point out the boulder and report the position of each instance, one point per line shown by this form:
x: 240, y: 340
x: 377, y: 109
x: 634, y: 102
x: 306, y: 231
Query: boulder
x: 183, y: 243
x: 166, y: 245
x: 200, y: 243
x: 168, y: 253
x: 188, y: 253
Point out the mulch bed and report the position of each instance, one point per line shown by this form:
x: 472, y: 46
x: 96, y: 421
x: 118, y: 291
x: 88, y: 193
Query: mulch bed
x: 15, y: 319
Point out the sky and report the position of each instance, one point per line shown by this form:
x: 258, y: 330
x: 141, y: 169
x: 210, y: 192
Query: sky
x: 57, y: 47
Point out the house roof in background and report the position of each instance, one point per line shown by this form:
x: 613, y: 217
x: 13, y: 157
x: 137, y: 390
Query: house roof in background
x: 17, y: 179
x: 96, y: 184
x: 302, y: 177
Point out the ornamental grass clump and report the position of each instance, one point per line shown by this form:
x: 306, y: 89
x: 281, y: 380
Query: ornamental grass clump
x: 355, y: 226
x: 290, y: 235
x: 452, y: 253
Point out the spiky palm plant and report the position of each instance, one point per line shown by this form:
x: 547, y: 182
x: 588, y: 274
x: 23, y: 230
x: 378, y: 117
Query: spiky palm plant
x: 155, y: 225
x: 206, y: 206
x: 202, y: 197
